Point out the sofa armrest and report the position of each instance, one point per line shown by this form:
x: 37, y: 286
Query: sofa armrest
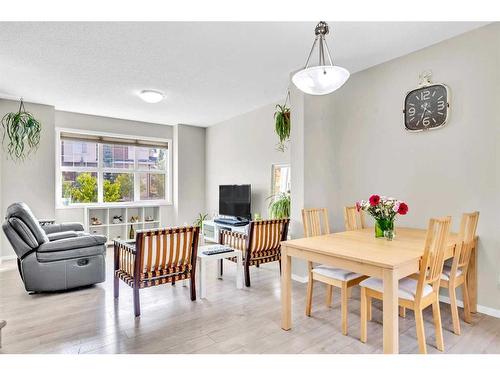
x: 72, y: 243
x: 234, y: 240
x: 61, y: 235
x: 63, y: 227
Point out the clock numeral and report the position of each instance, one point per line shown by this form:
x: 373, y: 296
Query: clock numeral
x: 440, y: 105
x: 411, y: 111
x: 426, y: 121
x: 425, y: 94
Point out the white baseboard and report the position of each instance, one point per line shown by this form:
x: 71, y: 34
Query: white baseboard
x: 7, y: 257
x: 480, y: 308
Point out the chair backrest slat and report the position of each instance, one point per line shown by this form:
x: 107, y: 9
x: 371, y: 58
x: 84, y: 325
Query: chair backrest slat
x: 354, y: 219
x: 467, y: 238
x: 267, y: 235
x: 315, y: 221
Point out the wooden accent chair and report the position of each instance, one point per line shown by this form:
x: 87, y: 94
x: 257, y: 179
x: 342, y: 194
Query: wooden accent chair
x: 456, y: 275
x: 261, y: 245
x: 416, y: 294
x: 315, y: 221
x: 159, y: 256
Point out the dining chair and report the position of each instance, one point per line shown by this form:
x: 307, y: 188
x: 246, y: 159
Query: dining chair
x: 455, y: 275
x: 315, y: 221
x: 416, y: 294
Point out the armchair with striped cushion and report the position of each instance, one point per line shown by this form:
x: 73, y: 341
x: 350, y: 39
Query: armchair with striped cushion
x: 261, y: 245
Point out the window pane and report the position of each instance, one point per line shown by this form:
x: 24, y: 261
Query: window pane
x: 118, y: 187
x: 79, y: 187
x: 281, y: 179
x: 78, y: 153
x: 118, y: 156
x: 151, y: 158
x: 152, y: 186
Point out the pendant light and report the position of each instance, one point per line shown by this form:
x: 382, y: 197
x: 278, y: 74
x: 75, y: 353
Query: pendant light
x: 323, y: 78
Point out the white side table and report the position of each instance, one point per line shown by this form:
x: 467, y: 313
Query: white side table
x: 203, y: 260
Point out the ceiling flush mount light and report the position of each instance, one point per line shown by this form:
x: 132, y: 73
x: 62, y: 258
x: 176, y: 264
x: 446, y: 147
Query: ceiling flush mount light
x: 323, y: 78
x: 151, y: 96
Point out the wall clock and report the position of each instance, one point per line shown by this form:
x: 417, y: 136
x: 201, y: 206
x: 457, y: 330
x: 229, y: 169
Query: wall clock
x: 428, y: 106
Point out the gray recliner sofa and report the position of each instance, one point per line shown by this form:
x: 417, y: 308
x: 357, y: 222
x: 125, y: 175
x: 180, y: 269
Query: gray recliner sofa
x: 55, y: 256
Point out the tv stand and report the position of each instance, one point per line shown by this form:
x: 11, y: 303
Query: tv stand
x: 212, y: 228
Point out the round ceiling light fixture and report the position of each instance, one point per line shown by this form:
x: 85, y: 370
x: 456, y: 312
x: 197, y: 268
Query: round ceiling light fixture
x: 151, y: 96
x: 323, y: 78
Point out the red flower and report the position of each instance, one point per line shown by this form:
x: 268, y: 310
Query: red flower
x: 403, y: 208
x: 358, y: 206
x: 374, y: 200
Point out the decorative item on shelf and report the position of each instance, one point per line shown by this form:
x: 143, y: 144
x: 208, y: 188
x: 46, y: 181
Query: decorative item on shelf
x: 323, y: 78
x: 117, y: 219
x: 282, y: 126
x: 131, y: 233
x: 384, y: 211
x: 134, y: 219
x: 22, y: 132
x: 198, y: 222
x: 149, y: 218
x: 95, y: 221
x: 279, y: 207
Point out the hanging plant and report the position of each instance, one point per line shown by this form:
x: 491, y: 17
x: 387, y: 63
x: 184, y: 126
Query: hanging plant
x: 21, y: 131
x: 282, y: 128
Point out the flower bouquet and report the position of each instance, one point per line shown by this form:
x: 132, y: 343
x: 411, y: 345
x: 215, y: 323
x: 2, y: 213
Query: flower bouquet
x: 384, y: 211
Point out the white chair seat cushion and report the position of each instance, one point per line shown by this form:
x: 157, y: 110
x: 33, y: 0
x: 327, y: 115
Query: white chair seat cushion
x: 407, y: 287
x: 335, y: 273
x: 447, y: 272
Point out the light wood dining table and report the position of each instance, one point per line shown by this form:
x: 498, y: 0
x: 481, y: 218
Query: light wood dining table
x: 359, y: 251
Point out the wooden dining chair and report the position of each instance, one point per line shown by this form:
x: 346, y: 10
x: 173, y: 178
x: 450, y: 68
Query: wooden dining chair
x: 354, y: 219
x: 416, y: 294
x: 158, y: 256
x: 315, y: 221
x: 456, y: 275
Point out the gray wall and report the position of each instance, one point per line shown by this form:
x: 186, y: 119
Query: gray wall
x: 355, y: 144
x: 241, y: 151
x: 33, y: 181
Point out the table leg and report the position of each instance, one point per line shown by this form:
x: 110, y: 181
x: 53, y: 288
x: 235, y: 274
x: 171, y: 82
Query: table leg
x: 390, y: 311
x: 472, y: 280
x: 239, y: 270
x: 286, y: 289
x: 219, y: 268
x: 202, y: 278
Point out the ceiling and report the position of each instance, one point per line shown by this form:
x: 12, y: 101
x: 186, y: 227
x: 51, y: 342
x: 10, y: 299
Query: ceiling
x: 210, y: 71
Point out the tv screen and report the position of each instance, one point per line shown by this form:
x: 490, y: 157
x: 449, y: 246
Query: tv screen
x: 234, y: 200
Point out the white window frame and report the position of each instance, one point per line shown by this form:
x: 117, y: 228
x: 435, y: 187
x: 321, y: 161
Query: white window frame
x: 100, y: 170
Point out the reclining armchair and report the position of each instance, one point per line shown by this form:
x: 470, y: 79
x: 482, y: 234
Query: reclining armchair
x: 55, y: 256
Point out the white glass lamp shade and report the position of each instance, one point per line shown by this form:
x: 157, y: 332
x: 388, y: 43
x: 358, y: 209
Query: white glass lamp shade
x: 320, y: 80
x: 151, y: 96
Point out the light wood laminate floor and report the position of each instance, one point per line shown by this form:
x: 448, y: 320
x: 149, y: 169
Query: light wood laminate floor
x: 89, y: 320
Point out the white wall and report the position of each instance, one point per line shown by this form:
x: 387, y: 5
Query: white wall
x: 242, y: 150
x: 356, y: 144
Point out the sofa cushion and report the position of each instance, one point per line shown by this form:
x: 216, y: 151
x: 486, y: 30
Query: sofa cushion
x: 55, y: 236
x: 24, y: 232
x: 52, y: 256
x: 72, y: 243
x: 407, y: 287
x: 21, y: 211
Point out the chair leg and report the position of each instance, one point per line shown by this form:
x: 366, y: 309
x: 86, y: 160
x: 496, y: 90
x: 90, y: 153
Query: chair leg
x: 436, y: 314
x: 192, y: 284
x: 116, y: 287
x: 309, y: 295
x: 402, y: 311
x: 369, y: 308
x: 173, y: 282
x: 343, y: 306
x: 419, y: 322
x: 465, y: 296
x: 365, y: 302
x: 454, y: 309
x: 247, y: 275
x: 329, y: 295
x: 137, y: 302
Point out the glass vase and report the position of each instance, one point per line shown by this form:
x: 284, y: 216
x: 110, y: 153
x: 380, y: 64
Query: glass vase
x: 383, y: 225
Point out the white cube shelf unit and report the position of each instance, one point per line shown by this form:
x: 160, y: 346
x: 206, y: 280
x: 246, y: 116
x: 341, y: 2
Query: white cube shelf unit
x: 148, y: 218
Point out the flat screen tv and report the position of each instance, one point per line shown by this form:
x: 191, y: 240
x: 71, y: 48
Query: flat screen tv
x: 234, y: 200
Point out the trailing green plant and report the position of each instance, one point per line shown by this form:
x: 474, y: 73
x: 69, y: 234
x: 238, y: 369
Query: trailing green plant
x: 282, y: 127
x: 279, y: 207
x: 22, y: 132
x: 200, y: 219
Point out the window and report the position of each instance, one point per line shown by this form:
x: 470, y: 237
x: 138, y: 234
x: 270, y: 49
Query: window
x: 280, y: 179
x: 98, y: 169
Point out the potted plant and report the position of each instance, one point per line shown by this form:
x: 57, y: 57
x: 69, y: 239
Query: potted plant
x: 279, y: 207
x: 282, y: 127
x: 22, y: 133
x: 199, y: 223
x: 384, y: 211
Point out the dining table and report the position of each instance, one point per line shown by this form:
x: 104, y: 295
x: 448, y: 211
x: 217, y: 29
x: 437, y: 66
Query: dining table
x: 359, y: 251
